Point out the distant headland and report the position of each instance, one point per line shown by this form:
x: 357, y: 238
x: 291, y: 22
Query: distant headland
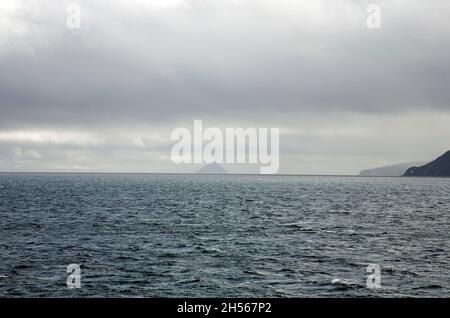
x: 439, y: 167
x: 396, y: 170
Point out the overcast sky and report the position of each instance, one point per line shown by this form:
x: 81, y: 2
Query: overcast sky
x: 106, y: 97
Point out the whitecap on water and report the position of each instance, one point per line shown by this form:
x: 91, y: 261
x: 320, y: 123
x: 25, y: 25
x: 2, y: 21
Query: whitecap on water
x: 346, y: 284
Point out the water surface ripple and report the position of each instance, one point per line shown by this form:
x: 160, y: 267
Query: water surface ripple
x: 143, y: 235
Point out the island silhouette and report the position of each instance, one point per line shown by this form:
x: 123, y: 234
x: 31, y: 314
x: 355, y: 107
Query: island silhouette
x: 439, y: 167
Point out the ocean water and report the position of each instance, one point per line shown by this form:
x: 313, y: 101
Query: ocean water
x: 146, y: 235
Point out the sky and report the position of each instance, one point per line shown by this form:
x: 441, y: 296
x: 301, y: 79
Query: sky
x: 105, y: 97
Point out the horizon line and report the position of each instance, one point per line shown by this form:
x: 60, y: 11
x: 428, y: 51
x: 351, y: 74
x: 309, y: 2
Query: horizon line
x: 203, y: 174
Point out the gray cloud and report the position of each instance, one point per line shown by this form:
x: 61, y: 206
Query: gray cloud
x: 222, y: 59
x: 146, y: 65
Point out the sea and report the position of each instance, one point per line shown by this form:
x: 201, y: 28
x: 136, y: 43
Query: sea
x: 169, y: 235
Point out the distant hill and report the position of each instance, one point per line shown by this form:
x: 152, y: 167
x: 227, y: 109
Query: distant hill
x: 212, y: 168
x: 390, y: 171
x: 436, y: 168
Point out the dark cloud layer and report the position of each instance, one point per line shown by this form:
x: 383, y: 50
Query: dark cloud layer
x: 197, y: 59
x: 106, y: 96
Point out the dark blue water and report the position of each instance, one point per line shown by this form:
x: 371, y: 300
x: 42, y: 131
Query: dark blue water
x: 249, y: 236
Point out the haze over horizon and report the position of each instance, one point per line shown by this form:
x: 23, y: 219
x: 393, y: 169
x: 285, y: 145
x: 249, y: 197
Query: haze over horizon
x: 105, y: 97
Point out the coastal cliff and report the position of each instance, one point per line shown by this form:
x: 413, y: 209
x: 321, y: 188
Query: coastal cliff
x: 439, y: 167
